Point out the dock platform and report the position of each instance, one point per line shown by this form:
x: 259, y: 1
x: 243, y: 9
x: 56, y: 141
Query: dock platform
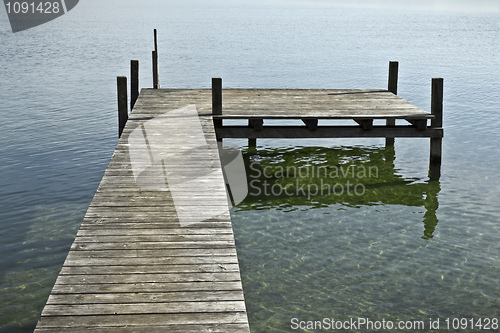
x: 156, y: 251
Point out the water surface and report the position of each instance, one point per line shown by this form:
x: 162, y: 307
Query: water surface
x: 373, y: 258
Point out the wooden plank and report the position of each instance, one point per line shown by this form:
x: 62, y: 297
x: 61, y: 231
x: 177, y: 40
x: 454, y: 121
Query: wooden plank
x: 174, y: 252
x: 159, y: 320
x: 134, y: 298
x: 103, y: 224
x: 75, y: 261
x: 145, y: 287
x: 189, y: 328
x: 148, y: 231
x: 139, y: 308
x: 151, y: 269
x: 80, y: 246
x: 155, y: 238
x: 148, y: 277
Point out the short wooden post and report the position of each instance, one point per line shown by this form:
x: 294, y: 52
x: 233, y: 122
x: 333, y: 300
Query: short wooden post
x: 217, y: 102
x: 217, y: 96
x: 392, y: 86
x: 156, y: 84
x: 122, y: 103
x: 134, y: 82
x: 436, y: 143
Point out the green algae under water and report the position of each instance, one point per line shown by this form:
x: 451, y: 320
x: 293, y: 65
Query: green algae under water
x: 380, y: 256
x: 36, y: 267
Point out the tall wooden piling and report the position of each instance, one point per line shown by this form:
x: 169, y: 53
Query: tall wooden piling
x: 121, y: 82
x: 436, y: 143
x: 134, y: 82
x: 392, y: 86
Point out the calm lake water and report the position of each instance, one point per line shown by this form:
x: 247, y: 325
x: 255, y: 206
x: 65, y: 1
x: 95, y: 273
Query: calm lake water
x: 409, y: 249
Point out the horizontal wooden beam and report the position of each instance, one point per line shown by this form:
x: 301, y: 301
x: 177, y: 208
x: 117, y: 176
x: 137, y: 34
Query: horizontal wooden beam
x: 300, y: 132
x: 321, y: 115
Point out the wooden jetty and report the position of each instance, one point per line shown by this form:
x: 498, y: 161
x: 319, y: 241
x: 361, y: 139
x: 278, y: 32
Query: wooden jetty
x: 156, y: 251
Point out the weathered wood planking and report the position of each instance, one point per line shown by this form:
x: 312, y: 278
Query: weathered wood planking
x: 292, y: 103
x: 155, y: 251
x: 317, y: 103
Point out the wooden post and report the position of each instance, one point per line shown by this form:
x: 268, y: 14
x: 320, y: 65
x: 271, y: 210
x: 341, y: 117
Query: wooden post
x: 134, y: 82
x: 436, y: 143
x: 217, y: 102
x: 156, y: 84
x: 392, y: 86
x: 156, y: 71
x: 156, y: 41
x: 122, y: 103
x: 216, y: 96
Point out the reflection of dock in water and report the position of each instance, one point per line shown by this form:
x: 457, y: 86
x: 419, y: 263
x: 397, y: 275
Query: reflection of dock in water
x: 284, y: 178
x: 156, y: 251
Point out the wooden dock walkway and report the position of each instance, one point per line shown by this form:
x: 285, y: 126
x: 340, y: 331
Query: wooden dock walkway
x: 155, y: 251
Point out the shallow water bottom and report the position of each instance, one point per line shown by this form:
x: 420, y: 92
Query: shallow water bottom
x: 30, y: 272
x: 369, y: 262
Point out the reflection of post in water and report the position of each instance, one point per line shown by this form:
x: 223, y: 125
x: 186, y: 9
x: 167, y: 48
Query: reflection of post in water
x: 282, y: 178
x: 431, y: 206
x: 389, y: 154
